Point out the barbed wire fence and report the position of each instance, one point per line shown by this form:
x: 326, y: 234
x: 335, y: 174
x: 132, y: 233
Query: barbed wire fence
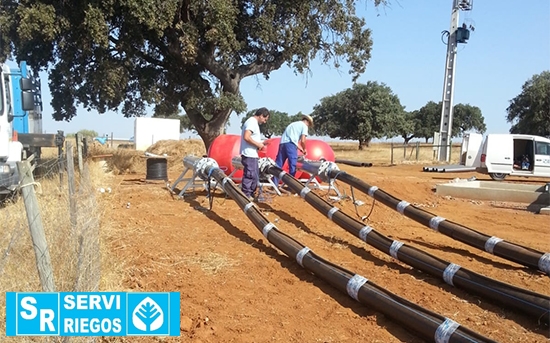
x: 50, y: 239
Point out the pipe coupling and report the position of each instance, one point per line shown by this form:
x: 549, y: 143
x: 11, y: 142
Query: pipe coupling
x: 264, y: 163
x: 203, y: 167
x: 325, y: 169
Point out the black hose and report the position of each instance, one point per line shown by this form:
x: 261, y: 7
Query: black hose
x: 353, y: 163
x: 533, y: 304
x: 427, y: 324
x: 494, y: 245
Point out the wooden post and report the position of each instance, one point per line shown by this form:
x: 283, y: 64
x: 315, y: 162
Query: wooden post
x: 417, y: 150
x: 391, y: 148
x: 43, y: 261
x: 79, y: 151
x: 84, y: 147
x: 60, y: 163
x: 71, y: 181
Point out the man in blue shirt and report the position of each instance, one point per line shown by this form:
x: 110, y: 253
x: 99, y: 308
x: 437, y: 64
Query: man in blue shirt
x: 251, y: 142
x: 293, y: 139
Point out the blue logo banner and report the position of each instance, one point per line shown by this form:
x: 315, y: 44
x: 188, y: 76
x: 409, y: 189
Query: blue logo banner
x: 92, y: 314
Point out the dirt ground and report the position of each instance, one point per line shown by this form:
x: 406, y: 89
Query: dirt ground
x: 237, y: 287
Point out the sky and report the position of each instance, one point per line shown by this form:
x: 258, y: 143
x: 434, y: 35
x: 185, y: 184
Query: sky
x: 510, y: 44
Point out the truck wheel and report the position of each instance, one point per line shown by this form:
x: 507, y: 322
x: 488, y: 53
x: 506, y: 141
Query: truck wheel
x: 497, y: 176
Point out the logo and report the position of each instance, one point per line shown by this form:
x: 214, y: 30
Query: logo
x: 92, y: 314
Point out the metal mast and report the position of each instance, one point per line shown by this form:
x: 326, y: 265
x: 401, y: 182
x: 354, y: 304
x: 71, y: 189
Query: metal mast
x: 456, y: 35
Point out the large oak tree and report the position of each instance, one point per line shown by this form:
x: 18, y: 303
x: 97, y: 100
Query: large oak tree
x: 529, y: 112
x: 363, y: 112
x: 427, y: 120
x: 128, y: 54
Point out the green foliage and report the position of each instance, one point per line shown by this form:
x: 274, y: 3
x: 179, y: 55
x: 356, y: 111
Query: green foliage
x: 361, y: 113
x: 529, y: 112
x: 277, y: 123
x: 427, y: 120
x: 129, y: 54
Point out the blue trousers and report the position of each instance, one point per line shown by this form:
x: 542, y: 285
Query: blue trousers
x: 287, y: 151
x: 251, y: 175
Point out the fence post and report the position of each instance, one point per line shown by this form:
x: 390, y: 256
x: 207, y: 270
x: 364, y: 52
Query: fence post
x: 79, y: 151
x: 60, y: 163
x: 404, y: 151
x: 417, y: 150
x: 71, y: 182
x: 391, y: 148
x: 43, y: 261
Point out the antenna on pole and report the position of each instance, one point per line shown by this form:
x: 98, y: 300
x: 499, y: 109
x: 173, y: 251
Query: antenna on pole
x: 455, y: 36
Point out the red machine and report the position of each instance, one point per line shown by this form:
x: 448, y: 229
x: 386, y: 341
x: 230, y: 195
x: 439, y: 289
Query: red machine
x: 225, y: 147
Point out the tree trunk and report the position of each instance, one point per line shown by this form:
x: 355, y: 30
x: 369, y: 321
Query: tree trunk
x: 364, y: 143
x: 214, y: 128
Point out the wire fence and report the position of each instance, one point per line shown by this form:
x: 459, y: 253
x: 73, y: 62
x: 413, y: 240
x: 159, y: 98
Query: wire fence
x: 417, y: 152
x: 60, y: 202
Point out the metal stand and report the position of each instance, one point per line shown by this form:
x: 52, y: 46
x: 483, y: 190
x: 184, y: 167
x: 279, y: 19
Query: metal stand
x: 315, y: 184
x: 192, y: 182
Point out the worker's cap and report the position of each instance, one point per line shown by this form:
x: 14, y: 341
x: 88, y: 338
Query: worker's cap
x: 308, y: 118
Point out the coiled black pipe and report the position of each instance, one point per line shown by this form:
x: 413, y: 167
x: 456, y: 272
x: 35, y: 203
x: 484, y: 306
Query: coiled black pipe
x: 353, y: 163
x: 427, y: 324
x: 533, y: 304
x: 494, y: 245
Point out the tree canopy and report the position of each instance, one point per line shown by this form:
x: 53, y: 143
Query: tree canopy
x: 529, y: 112
x: 363, y: 112
x: 277, y: 123
x: 427, y: 120
x: 130, y: 54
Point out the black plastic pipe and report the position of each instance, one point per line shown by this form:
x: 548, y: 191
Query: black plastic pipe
x: 353, y: 163
x: 533, y: 304
x: 493, y: 245
x: 427, y: 324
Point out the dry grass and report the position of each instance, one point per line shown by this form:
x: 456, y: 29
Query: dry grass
x: 210, y: 262
x: 75, y: 252
x: 381, y: 153
x: 127, y: 161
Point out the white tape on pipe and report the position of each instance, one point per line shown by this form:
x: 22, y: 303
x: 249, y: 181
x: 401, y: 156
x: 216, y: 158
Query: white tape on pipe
x: 304, y: 192
x: 248, y: 206
x: 395, y: 246
x: 267, y: 228
x: 300, y: 255
x: 450, y: 272
x: 435, y: 221
x: 371, y: 190
x: 491, y: 242
x: 401, y: 206
x: 363, y: 233
x: 354, y: 284
x: 544, y: 263
x: 445, y: 330
x: 224, y: 181
x: 331, y: 212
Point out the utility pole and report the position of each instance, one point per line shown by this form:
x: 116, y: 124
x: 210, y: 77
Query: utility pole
x: 456, y: 35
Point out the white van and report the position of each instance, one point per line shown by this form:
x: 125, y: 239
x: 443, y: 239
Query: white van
x: 511, y: 154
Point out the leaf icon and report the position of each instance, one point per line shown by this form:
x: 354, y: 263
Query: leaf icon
x: 147, y: 316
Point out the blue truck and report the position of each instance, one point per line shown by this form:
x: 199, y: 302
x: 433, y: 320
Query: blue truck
x: 21, y: 123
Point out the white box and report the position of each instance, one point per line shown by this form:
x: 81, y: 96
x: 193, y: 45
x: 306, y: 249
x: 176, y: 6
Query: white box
x: 148, y: 131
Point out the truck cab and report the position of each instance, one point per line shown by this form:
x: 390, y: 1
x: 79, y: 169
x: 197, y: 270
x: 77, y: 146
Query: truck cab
x: 20, y: 123
x: 10, y: 150
x: 517, y: 155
